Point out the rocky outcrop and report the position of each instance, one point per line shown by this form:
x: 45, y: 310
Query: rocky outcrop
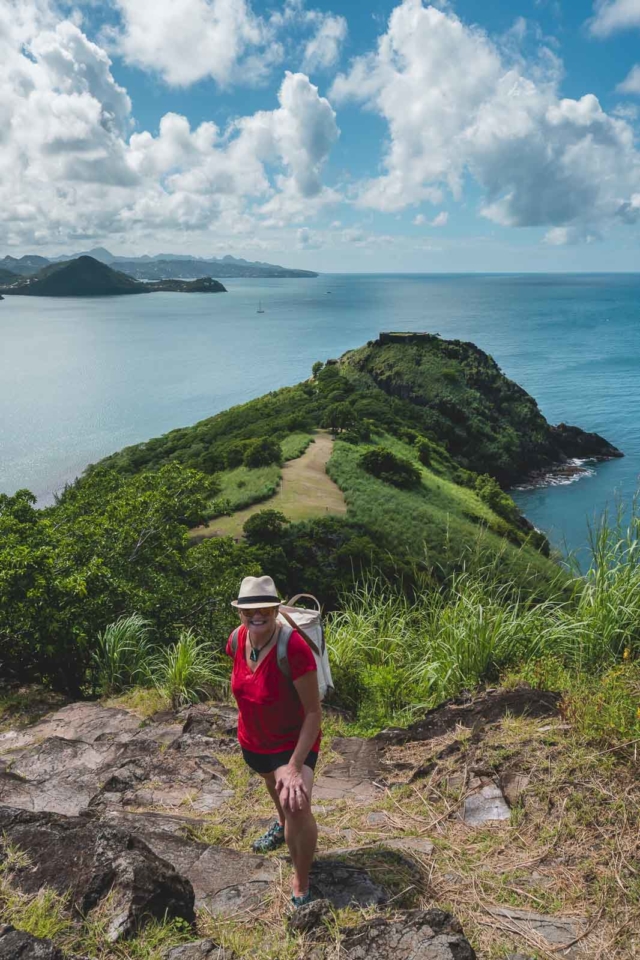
x: 17, y: 945
x: 89, y: 861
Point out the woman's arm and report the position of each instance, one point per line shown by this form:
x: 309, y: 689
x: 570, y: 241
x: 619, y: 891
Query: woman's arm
x: 290, y: 785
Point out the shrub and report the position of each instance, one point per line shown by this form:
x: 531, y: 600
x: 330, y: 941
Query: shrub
x: 187, y: 669
x: 385, y: 465
x: 500, y: 502
x: 425, y: 451
x: 317, y: 367
x: 266, y: 526
x: 262, y: 452
x: 121, y: 655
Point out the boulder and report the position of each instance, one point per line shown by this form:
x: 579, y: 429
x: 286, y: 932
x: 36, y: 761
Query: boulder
x: 90, y: 860
x: 224, y: 881
x: 18, y: 945
x: 345, y: 884
x: 485, y: 804
x: 418, y: 935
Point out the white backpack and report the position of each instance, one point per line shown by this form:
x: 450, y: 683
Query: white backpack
x: 308, y: 624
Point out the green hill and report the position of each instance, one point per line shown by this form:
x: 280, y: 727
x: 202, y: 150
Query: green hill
x: 443, y: 406
x: 88, y: 277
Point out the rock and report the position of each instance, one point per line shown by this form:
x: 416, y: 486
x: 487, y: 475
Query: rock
x: 518, y: 956
x: 18, y: 945
x: 353, y: 775
x: 513, y: 786
x: 90, y: 860
x: 113, y: 763
x: 418, y: 935
x: 309, y: 917
x: 344, y: 884
x: 377, y: 819
x: 224, y: 881
x: 488, y: 707
x: 418, y: 845
x: 485, y: 805
x: 198, y: 950
x: 557, y: 931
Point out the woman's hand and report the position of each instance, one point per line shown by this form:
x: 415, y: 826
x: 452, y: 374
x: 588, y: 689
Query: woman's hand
x: 291, y: 789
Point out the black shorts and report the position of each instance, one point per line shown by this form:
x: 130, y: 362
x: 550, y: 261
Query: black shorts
x: 268, y: 762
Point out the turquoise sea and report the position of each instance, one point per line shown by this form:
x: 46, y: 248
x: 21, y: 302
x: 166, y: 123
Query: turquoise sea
x: 82, y: 378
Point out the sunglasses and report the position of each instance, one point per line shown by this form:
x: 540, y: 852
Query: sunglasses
x: 265, y: 611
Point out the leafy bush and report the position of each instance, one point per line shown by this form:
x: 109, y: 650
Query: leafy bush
x: 266, y: 526
x: 425, y: 452
x: 385, y: 465
x: 500, y: 502
x: 262, y: 452
x: 121, y: 655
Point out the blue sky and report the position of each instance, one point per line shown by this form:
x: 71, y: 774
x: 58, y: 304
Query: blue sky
x: 335, y: 135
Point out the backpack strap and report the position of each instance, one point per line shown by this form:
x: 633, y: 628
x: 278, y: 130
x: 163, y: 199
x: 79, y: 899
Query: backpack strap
x: 305, y: 636
x: 282, y: 652
x: 234, y: 641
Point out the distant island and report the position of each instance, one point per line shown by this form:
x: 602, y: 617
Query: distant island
x: 87, y: 277
x: 163, y: 266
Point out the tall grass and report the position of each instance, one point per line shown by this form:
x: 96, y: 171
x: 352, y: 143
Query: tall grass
x: 187, y: 669
x: 121, y: 654
x: 392, y: 657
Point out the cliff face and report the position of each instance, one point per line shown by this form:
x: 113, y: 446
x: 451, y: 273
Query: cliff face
x: 460, y: 396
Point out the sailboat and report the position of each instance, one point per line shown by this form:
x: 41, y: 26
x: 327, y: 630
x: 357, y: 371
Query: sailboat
x: 259, y: 310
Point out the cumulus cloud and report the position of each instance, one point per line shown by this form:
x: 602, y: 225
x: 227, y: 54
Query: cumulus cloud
x: 631, y: 83
x: 188, y: 40
x: 419, y: 220
x: 541, y: 160
x: 612, y: 16
x: 71, y: 167
x: 441, y: 220
x: 323, y: 49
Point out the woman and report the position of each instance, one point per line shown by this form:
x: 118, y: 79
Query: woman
x: 278, y: 723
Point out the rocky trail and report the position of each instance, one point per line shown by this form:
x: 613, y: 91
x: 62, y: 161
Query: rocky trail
x: 452, y: 832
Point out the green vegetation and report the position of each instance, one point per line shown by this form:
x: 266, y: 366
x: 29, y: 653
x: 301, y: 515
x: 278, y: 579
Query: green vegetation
x: 187, y: 669
x: 243, y: 486
x: 390, y: 468
x: 121, y: 654
x: 394, y: 657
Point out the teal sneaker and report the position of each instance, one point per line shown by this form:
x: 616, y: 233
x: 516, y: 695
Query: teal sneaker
x: 270, y: 840
x: 302, y: 900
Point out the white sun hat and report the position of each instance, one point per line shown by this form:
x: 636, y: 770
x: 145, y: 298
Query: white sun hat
x: 256, y: 592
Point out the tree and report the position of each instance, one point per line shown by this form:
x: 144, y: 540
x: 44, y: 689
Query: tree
x: 317, y: 367
x: 262, y: 452
x: 266, y: 526
x: 339, y: 416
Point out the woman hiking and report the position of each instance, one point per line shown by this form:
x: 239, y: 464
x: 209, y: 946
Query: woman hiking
x: 278, y: 723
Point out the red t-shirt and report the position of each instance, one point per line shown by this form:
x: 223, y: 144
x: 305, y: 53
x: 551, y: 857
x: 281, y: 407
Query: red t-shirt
x: 270, y: 713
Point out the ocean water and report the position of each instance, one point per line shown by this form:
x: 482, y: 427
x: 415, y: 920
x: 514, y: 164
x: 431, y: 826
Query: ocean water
x: 82, y: 378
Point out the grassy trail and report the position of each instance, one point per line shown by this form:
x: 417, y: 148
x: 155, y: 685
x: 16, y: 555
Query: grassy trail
x: 305, y: 491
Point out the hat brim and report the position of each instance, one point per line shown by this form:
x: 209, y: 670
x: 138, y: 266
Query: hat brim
x: 255, y: 604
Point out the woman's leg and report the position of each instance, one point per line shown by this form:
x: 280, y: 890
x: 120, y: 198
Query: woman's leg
x: 270, y: 781
x: 301, y: 834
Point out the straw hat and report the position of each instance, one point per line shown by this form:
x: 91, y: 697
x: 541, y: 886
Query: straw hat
x: 257, y: 592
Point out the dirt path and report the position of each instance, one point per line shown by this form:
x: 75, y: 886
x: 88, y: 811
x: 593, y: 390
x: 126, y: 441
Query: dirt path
x: 305, y: 491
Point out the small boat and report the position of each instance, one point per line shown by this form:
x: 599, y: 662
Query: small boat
x: 259, y: 310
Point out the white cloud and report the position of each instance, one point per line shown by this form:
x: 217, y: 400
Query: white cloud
x: 441, y: 220
x: 631, y: 83
x: 323, y: 49
x: 541, y: 160
x: 419, y: 220
x: 612, y: 16
x: 187, y: 40
x: 70, y: 167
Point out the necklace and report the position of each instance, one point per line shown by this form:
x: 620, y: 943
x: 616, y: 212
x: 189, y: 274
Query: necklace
x: 256, y: 651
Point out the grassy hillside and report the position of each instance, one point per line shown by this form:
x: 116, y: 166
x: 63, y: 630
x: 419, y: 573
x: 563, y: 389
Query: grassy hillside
x: 444, y: 406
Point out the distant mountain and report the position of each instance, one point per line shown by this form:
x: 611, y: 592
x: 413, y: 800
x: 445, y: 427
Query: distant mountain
x: 8, y: 276
x: 162, y: 266
x: 24, y: 266
x: 87, y: 277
